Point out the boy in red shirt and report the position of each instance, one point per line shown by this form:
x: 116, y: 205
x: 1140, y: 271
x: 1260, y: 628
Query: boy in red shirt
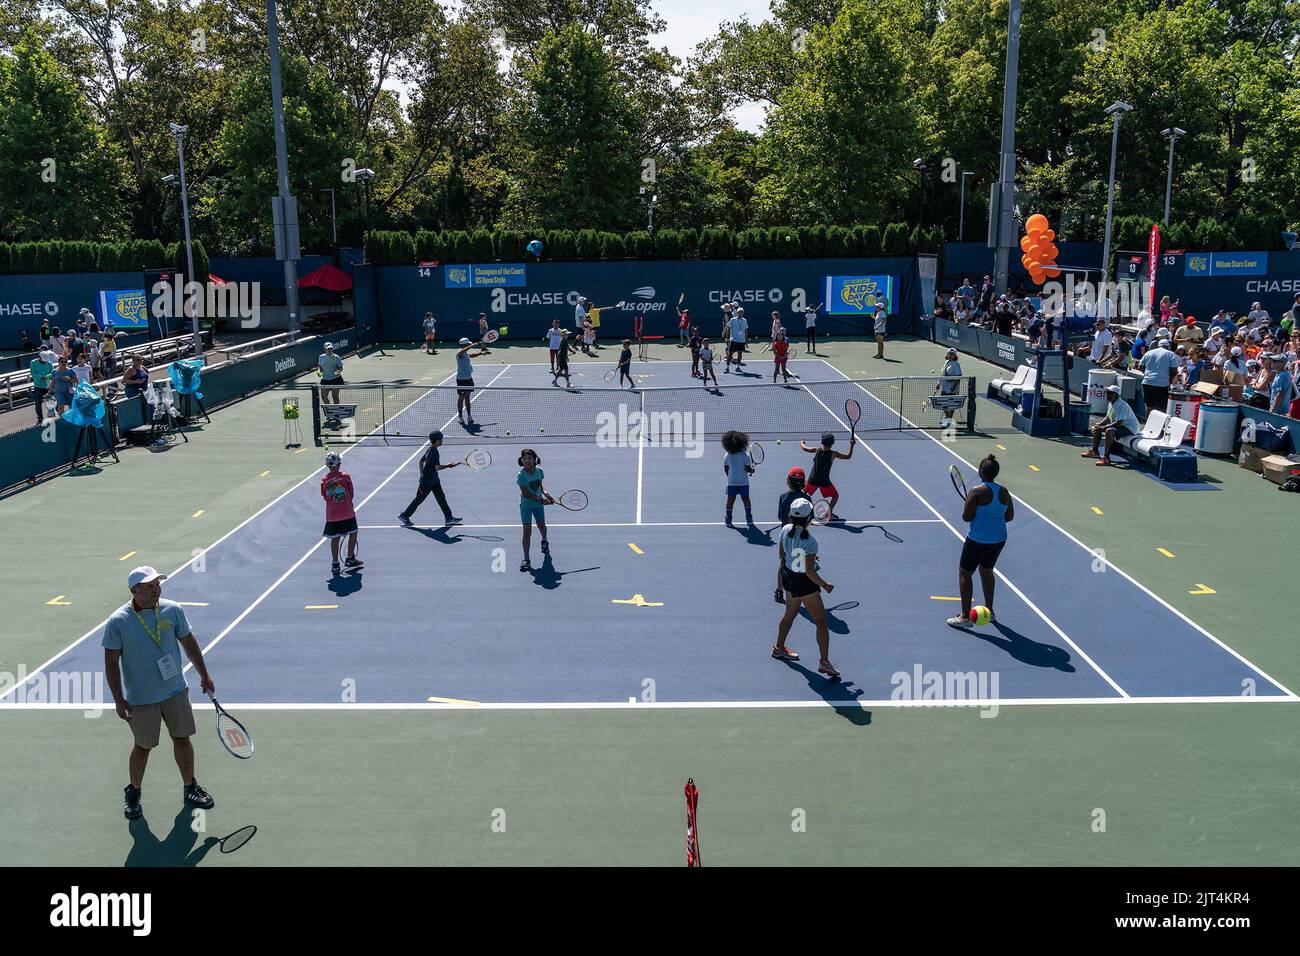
x: 340, y: 516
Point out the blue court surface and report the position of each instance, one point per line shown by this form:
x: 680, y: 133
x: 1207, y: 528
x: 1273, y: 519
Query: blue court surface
x: 646, y: 595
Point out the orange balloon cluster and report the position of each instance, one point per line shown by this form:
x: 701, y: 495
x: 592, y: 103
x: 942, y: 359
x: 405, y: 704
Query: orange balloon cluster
x: 1039, y: 250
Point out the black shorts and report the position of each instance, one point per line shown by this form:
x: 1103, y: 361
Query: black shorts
x: 975, y: 554
x: 797, y: 583
x: 1121, y: 431
x: 331, y: 382
x: 338, y: 529
x: 465, y: 384
x: 736, y: 348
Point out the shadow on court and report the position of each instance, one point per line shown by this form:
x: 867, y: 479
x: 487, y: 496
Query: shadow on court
x: 548, y: 577
x: 841, y: 692
x: 342, y: 585
x: 180, y: 847
x: 1027, y: 651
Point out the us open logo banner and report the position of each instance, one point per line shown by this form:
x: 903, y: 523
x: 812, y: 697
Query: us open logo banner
x: 859, y: 295
x: 128, y: 308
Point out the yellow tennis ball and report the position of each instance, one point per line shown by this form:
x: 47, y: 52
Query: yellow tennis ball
x: 541, y: 429
x: 980, y: 615
x: 778, y: 441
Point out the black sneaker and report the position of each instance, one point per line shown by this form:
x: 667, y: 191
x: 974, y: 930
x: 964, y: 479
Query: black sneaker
x: 454, y: 519
x: 335, y: 569
x: 525, y: 565
x: 546, y: 546
x: 405, y: 521
x: 353, y: 564
x: 198, y: 796
x: 132, y: 810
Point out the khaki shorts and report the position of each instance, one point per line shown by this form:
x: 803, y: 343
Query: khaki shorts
x: 147, y: 719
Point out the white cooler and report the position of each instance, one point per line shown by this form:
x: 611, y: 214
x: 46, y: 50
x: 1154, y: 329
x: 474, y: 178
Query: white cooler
x: 1217, y: 428
x: 1098, y: 380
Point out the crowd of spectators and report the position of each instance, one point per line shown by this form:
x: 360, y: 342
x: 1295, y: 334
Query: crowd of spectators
x: 82, y: 353
x: 1253, y: 350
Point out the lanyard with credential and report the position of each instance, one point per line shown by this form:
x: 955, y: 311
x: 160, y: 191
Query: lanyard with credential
x: 156, y: 633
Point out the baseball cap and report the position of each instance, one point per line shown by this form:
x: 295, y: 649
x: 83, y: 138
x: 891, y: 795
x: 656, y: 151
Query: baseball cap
x: 332, y: 460
x: 1164, y: 343
x: 143, y: 575
x: 47, y: 355
x: 800, y: 508
x: 329, y: 345
x: 795, y: 472
x: 464, y: 341
x: 952, y: 352
x: 1112, y: 390
x: 1236, y: 350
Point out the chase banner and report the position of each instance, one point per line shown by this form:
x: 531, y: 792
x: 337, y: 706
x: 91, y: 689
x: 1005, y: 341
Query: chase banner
x: 127, y: 308
x: 490, y: 275
x: 859, y: 295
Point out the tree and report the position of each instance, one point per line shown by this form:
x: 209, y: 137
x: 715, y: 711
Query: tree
x: 571, y: 140
x: 59, y: 176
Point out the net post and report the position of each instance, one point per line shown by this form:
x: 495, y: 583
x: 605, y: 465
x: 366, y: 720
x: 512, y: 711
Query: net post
x: 970, y: 405
x: 383, y: 412
x: 902, y: 386
x: 317, y: 434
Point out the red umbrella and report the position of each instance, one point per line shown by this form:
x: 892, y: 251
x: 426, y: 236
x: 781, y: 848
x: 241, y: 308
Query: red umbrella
x: 329, y: 277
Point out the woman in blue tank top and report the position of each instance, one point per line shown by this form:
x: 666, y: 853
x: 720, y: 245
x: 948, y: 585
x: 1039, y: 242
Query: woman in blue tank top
x: 988, y: 509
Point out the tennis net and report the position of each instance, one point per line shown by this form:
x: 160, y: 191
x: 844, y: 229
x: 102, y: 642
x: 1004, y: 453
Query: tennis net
x: 396, y: 414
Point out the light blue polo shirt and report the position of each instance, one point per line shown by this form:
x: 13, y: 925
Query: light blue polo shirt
x: 792, y: 544
x: 1158, y: 364
x: 1280, y: 392
x: 142, y: 682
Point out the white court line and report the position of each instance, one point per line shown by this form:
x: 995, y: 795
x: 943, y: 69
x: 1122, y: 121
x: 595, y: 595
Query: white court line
x: 1002, y: 577
x: 867, y: 523
x: 702, y: 704
x: 640, y: 459
x: 312, y: 550
x: 199, y: 554
x: 1120, y: 571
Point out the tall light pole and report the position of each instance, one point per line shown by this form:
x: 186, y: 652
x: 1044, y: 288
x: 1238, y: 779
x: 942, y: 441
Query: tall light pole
x: 284, y: 206
x: 179, y: 132
x: 919, y: 165
x: 334, y: 219
x: 649, y: 199
x: 1002, y: 195
x: 1173, y: 134
x: 961, y: 215
x: 1116, y: 112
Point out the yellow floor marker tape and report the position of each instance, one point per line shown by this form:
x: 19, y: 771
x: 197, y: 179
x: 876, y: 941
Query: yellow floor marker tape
x: 1203, y: 589
x: 940, y: 597
x: 301, y: 450
x: 127, y: 555
x: 639, y: 601
x: 264, y: 474
x: 197, y: 513
x: 1002, y: 447
x: 319, y: 607
x: 635, y: 548
x: 453, y: 700
x: 1097, y: 511
x: 57, y: 601
x: 1034, y: 468
x: 1165, y: 552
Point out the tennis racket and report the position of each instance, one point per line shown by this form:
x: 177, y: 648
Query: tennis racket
x: 821, y: 511
x: 478, y: 459
x: 853, y: 412
x: 756, y: 454
x: 611, y: 375
x: 573, y: 500
x: 681, y: 298
x: 792, y: 353
x: 957, y: 481
x: 490, y: 336
x: 233, y: 735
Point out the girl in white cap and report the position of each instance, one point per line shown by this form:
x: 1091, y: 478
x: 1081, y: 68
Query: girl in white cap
x: 802, y: 582
x: 340, y: 516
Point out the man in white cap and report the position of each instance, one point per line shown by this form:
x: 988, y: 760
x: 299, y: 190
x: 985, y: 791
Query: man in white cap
x: 951, y: 373
x: 143, y: 667
x: 1258, y: 315
x: 1157, y: 367
x: 41, y: 369
x: 330, y: 367
x: 1119, y: 421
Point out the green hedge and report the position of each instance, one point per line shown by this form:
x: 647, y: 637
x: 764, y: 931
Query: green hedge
x: 55, y: 256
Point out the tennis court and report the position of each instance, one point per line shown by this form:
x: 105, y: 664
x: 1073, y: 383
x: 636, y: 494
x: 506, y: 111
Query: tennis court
x: 647, y: 598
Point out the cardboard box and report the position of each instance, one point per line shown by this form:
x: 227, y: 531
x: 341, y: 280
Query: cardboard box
x: 1278, y: 468
x: 1251, y: 458
x: 1208, y: 389
x: 1212, y: 376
